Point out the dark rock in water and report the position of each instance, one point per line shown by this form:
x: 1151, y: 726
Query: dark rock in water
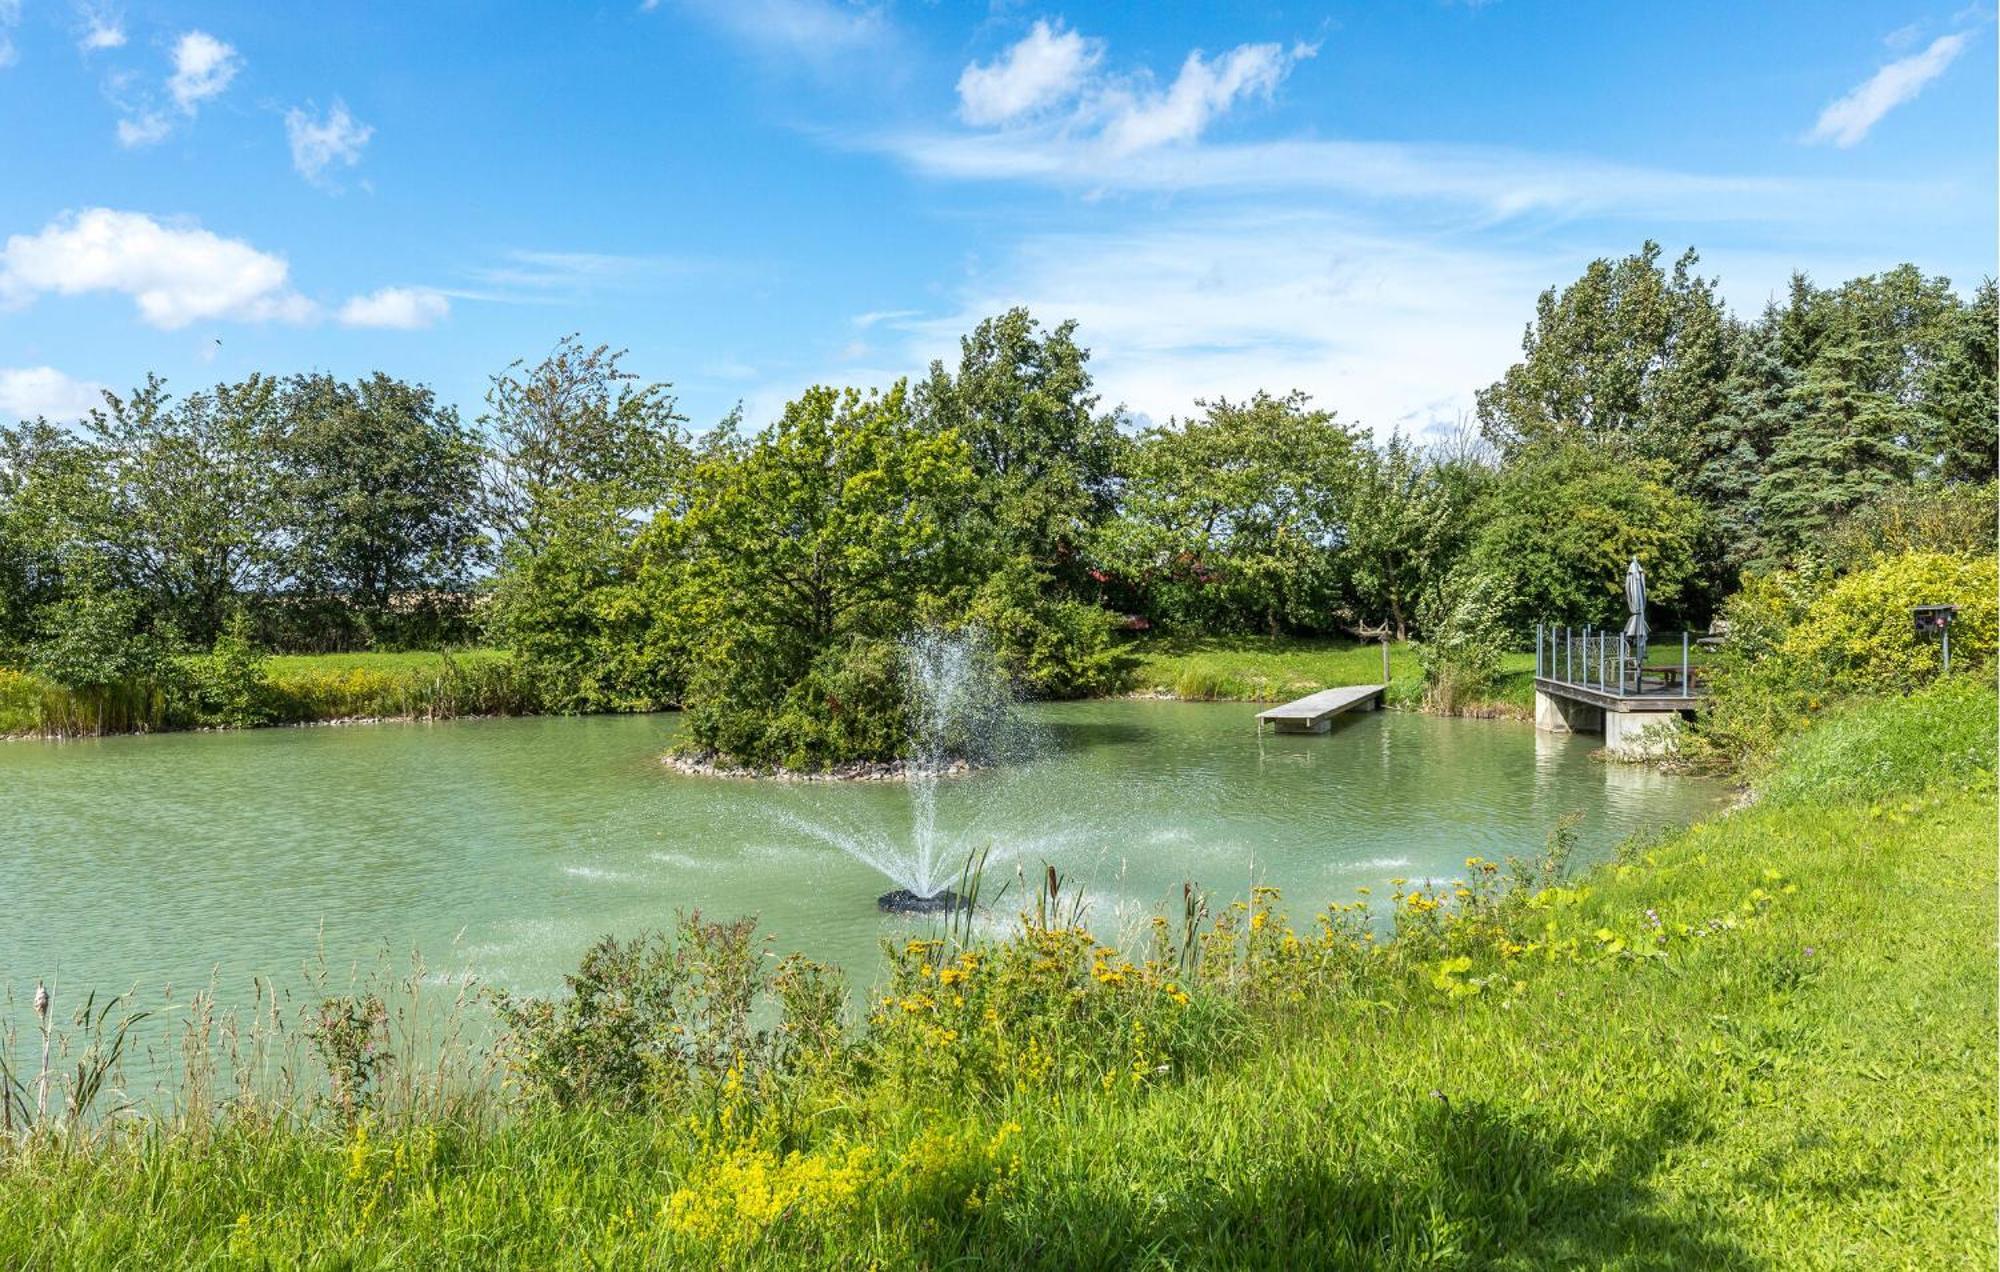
x: 904, y: 901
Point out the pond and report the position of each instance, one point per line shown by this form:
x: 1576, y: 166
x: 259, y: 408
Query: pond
x: 504, y: 847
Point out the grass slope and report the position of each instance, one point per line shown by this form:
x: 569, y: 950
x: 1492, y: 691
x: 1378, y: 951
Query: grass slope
x: 1279, y: 668
x: 1808, y: 1084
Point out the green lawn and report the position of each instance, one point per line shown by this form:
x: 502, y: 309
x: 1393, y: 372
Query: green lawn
x: 1277, y: 668
x: 1765, y: 1041
x: 285, y: 666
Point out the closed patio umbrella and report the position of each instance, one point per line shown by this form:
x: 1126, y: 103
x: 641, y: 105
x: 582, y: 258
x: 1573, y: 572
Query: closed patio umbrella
x: 1635, y: 608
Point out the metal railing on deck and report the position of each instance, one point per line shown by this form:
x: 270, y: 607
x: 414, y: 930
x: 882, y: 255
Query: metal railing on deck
x: 1665, y: 663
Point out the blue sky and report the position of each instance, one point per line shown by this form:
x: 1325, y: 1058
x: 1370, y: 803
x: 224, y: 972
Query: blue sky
x: 1357, y: 200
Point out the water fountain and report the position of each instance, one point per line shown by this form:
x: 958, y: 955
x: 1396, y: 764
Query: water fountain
x: 962, y: 715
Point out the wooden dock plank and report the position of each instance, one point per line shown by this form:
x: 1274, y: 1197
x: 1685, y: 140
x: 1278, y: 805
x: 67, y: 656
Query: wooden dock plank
x: 1314, y: 713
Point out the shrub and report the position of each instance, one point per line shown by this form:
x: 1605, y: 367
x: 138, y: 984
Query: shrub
x: 1052, y: 647
x: 1857, y: 637
x: 848, y: 706
x: 228, y: 686
x: 649, y: 1022
x: 1797, y: 645
x: 1924, y: 518
x: 1465, y: 638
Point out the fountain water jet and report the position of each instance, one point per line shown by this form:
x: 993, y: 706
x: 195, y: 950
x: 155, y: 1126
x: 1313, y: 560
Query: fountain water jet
x: 960, y: 711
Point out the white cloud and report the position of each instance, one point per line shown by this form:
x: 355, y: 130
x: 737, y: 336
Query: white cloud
x: 1848, y: 120
x: 814, y: 31
x: 317, y: 144
x: 1391, y: 329
x: 144, y: 129
x: 1494, y: 182
x: 1047, y: 67
x: 10, y: 17
x: 1203, y: 90
x: 203, y: 68
x: 29, y: 392
x: 176, y: 273
x: 1113, y: 116
x: 102, y: 29
x: 397, y: 308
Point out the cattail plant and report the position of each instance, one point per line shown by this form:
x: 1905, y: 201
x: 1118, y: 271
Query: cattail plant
x: 42, y: 1022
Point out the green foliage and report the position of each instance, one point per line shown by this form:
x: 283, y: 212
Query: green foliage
x: 1045, y: 460
x: 229, y: 686
x: 1231, y: 519
x: 649, y: 1024
x: 1797, y: 645
x: 577, y: 421
x: 191, y: 509
x: 1465, y: 642
x: 1630, y: 355
x: 1846, y: 451
x: 380, y: 484
x: 420, y: 687
x: 350, y: 1038
x: 1857, y: 636
x: 584, y: 454
x: 1408, y: 519
x: 800, y: 555
x: 1932, y: 517
x: 91, y: 638
x: 1050, y: 646
x: 1559, y: 526
x: 848, y: 706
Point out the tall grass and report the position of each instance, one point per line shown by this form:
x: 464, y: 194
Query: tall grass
x: 292, y: 690
x: 1765, y: 1041
x: 440, y: 687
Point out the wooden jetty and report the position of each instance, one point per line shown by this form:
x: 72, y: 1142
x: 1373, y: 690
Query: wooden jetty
x: 1314, y: 713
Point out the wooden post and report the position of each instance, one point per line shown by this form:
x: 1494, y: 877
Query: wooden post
x: 1385, y: 656
x: 1685, y: 687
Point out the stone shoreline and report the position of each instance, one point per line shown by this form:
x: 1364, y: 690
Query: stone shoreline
x: 711, y: 765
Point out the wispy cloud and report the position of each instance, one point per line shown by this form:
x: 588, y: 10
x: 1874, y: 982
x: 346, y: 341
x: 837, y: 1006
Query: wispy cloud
x: 1058, y: 117
x: 1847, y: 121
x: 542, y: 277
x: 1112, y: 114
x: 322, y: 142
x: 1491, y: 182
x: 175, y: 272
x: 812, y: 31
x: 102, y: 29
x: 1046, y: 68
x: 203, y: 68
x: 1141, y: 119
x: 1392, y: 329
x: 396, y: 308
x: 10, y: 17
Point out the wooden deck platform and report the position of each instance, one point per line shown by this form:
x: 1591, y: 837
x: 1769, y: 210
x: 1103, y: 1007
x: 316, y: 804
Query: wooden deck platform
x: 1314, y: 713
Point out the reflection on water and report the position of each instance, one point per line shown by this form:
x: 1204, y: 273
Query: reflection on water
x: 509, y: 845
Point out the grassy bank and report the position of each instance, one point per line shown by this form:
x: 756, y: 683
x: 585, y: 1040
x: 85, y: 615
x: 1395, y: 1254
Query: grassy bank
x: 1278, y: 668
x: 294, y: 689
x: 1765, y: 1041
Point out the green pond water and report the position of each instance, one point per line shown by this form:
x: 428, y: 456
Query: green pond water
x: 504, y: 847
